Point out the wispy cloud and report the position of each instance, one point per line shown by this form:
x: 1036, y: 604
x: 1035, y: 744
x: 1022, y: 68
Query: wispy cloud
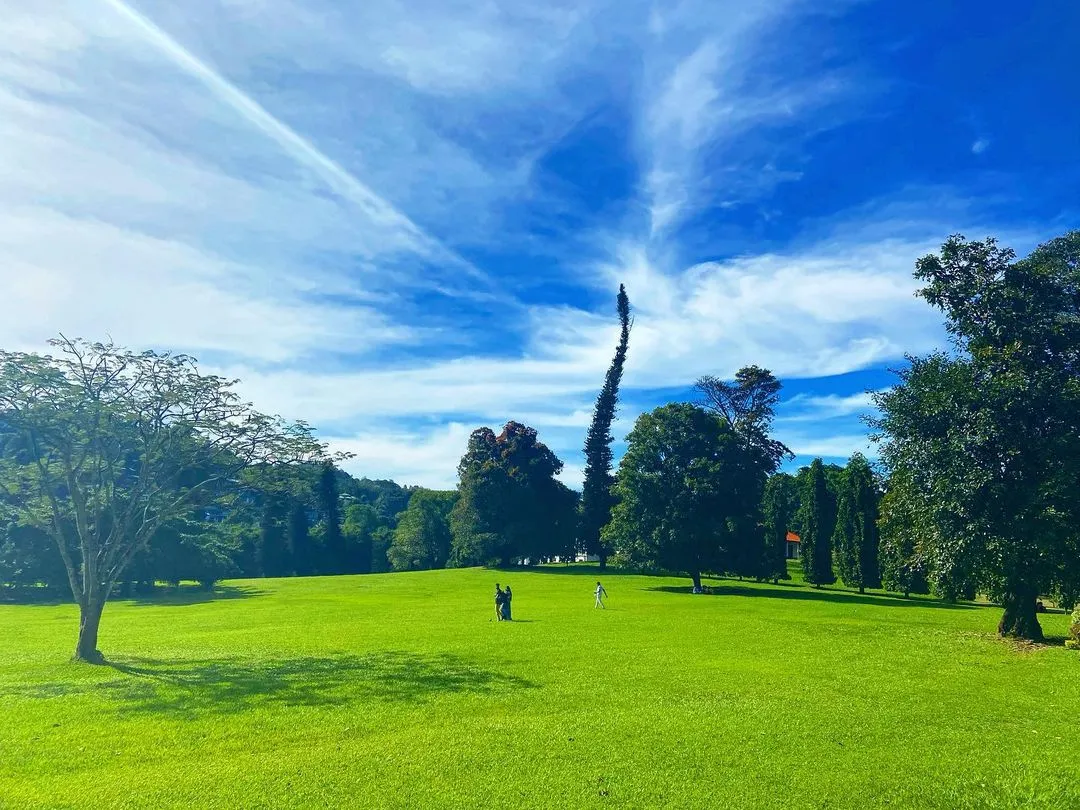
x: 387, y: 219
x: 980, y: 145
x: 808, y: 408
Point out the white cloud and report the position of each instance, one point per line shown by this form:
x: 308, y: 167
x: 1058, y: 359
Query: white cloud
x: 286, y: 187
x: 709, y: 80
x: 836, y: 446
x: 806, y: 408
x: 980, y: 146
x: 420, y: 457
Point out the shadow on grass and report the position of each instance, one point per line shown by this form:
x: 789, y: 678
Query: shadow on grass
x: 554, y: 568
x: 233, y: 685
x: 34, y: 596
x: 790, y: 591
x: 184, y: 595
x: 192, y: 595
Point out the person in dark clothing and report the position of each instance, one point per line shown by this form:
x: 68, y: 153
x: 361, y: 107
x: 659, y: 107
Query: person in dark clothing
x: 500, y: 600
x: 507, y: 598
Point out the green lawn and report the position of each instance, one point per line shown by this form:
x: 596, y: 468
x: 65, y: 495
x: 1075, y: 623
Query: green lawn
x: 398, y: 691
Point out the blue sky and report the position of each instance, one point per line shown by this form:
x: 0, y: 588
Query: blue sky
x: 402, y: 220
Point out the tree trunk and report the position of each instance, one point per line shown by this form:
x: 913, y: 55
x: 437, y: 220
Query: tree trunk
x: 1020, y: 619
x: 603, y: 561
x: 696, y: 576
x: 89, y: 621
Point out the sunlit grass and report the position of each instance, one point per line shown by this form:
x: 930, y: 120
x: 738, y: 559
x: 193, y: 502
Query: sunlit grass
x: 399, y: 690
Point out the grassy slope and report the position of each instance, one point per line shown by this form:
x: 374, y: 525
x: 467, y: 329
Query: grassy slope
x: 397, y: 690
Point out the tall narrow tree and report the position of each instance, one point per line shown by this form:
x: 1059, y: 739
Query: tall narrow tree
x: 300, y: 539
x: 273, y: 550
x: 330, y: 515
x: 817, y: 517
x: 596, y: 496
x: 778, y: 507
x: 855, y: 538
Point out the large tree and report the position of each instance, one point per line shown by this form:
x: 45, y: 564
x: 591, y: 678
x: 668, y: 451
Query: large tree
x: 596, y: 495
x: 817, y: 521
x: 988, y: 435
x: 106, y: 446
x: 855, y: 538
x: 747, y: 405
x: 508, y: 505
x: 678, y: 492
x: 422, y: 537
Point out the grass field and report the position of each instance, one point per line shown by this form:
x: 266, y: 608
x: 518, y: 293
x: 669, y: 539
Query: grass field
x: 399, y: 691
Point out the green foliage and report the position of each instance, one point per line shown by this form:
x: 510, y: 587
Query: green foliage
x: 817, y: 519
x: 422, y: 538
x: 274, y: 557
x: 902, y: 567
x: 358, y: 529
x: 299, y: 538
x: 597, y: 498
x: 682, y: 493
x: 779, y: 506
x: 989, y: 437
x: 855, y: 539
x: 748, y: 406
x: 381, y: 540
x: 510, y: 505
x: 1073, y: 641
x: 103, y: 447
x: 329, y: 533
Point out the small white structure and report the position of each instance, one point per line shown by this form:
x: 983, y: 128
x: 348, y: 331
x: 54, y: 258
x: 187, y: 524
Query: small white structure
x: 793, y: 545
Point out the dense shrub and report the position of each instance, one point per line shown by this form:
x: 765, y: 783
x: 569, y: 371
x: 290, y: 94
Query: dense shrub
x: 1073, y: 642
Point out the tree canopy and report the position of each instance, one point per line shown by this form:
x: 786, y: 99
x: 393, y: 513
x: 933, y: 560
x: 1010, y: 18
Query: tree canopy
x: 681, y: 493
x: 987, y: 437
x: 104, y: 447
x: 510, y: 504
x: 422, y: 538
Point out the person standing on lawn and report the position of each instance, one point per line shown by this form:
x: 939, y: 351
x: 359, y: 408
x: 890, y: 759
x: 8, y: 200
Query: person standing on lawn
x: 600, y: 594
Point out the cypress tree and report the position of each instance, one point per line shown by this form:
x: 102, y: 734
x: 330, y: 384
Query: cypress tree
x: 778, y: 507
x: 300, y: 539
x: 817, y: 518
x: 330, y: 513
x: 273, y: 552
x: 855, y: 539
x: 596, y: 495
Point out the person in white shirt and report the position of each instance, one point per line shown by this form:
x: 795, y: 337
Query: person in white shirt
x: 600, y: 594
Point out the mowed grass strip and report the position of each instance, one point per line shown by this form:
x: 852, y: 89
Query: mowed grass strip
x: 399, y: 690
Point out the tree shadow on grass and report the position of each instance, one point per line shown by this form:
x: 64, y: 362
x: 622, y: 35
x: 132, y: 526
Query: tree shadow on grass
x: 581, y: 569
x: 233, y: 685
x: 183, y: 595
x: 192, y: 595
x: 818, y: 595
